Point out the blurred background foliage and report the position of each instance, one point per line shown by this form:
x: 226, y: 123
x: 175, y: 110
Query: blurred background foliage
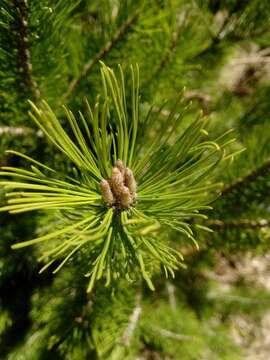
x: 218, y: 308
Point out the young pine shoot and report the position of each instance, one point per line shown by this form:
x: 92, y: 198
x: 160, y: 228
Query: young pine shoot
x: 137, y: 178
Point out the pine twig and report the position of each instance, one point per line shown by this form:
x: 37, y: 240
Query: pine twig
x: 173, y: 44
x: 167, y: 58
x: 122, y: 31
x: 19, y: 131
x: 250, y: 177
x: 171, y: 295
x: 172, y: 335
x: 217, y: 224
x: 246, y: 223
x: 24, y: 55
x: 237, y: 298
x: 133, y: 320
x: 215, y: 39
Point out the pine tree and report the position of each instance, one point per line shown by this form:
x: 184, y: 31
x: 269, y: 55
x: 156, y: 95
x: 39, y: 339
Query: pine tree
x: 134, y: 180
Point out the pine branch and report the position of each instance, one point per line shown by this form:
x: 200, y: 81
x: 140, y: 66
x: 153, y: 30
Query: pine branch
x: 119, y: 35
x: 241, y: 223
x: 24, y: 55
x: 250, y: 177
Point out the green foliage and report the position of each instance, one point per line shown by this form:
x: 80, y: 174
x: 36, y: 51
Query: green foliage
x: 51, y: 50
x: 27, y: 71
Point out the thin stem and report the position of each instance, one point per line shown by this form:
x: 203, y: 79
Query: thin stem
x: 133, y: 320
x: 246, y: 223
x: 24, y: 55
x: 103, y: 52
x: 167, y: 58
x: 171, y: 295
x: 172, y: 46
x: 241, y: 182
x: 172, y: 335
x: 19, y: 131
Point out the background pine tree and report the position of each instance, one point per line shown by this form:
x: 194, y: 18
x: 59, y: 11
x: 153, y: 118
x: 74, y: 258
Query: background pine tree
x: 219, y: 51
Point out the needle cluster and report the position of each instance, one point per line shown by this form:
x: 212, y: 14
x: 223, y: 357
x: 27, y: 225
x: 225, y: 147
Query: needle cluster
x: 119, y: 225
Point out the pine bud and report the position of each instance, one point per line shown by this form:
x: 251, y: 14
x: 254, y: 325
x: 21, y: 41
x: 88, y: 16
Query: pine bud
x: 106, y: 192
x: 120, y: 165
x: 130, y: 182
x: 117, y: 181
x: 120, y: 189
x: 125, y: 198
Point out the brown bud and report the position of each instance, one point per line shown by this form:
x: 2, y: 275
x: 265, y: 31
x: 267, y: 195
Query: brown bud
x: 106, y: 192
x: 120, y: 165
x: 130, y: 182
x: 125, y: 198
x: 117, y: 181
x: 120, y: 189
